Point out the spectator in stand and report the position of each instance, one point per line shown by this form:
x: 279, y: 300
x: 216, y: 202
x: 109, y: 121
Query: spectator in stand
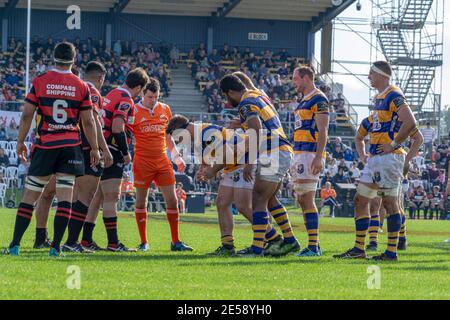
x: 339, y: 104
x: 338, y: 152
x: 340, y: 177
x: 419, y: 161
x: 333, y: 121
x: 22, y: 172
x: 433, y: 174
x: 328, y: 198
x: 2, y: 132
x: 12, y: 131
x: 418, y: 200
x: 174, y: 57
x: 429, y: 135
x: 181, y: 195
x: 343, y: 165
x: 4, y: 160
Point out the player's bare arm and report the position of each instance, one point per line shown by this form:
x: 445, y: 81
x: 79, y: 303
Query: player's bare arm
x: 322, y: 121
x: 176, y: 157
x: 118, y: 130
x: 361, y: 147
x: 417, y: 141
x: 25, y: 124
x: 90, y: 130
x: 107, y: 156
x: 408, y: 124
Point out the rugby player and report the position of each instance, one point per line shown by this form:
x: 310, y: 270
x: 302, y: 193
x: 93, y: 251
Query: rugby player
x: 152, y: 164
x: 118, y: 109
x: 232, y: 188
x: 274, y: 153
x: 85, y: 186
x: 310, y: 139
x: 390, y: 123
x: 60, y: 99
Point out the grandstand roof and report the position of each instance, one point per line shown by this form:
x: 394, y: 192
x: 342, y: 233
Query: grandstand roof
x: 297, y: 10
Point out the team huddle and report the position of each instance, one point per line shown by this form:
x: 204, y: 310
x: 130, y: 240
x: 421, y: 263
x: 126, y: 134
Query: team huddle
x: 83, y: 140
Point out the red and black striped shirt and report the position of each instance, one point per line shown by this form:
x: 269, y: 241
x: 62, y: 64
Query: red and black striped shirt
x: 59, y: 97
x: 97, y: 103
x: 118, y: 103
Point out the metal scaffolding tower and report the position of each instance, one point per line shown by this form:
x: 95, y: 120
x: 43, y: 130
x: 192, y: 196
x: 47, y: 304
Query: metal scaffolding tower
x: 410, y: 35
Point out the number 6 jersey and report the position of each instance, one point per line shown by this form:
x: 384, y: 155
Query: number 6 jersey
x: 59, y: 97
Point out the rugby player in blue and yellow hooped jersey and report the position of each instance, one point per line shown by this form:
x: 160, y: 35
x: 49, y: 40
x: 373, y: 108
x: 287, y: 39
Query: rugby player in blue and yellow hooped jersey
x: 390, y: 123
x: 310, y: 138
x: 274, y: 153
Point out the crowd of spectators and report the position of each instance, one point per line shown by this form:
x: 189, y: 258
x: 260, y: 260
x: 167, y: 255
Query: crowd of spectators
x: 118, y: 60
x: 270, y: 71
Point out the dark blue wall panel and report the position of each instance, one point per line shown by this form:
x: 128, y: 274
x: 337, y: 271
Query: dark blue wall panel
x: 45, y: 23
x: 186, y: 32
x: 281, y: 34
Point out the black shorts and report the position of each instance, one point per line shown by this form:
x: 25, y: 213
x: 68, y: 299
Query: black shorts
x: 45, y: 162
x: 116, y: 170
x: 97, y: 171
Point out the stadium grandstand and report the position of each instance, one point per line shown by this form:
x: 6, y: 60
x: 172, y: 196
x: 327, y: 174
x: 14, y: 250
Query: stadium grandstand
x: 188, y: 45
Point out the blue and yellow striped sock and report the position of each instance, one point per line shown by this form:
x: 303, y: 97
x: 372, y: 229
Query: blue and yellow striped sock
x: 394, y: 223
x: 259, y: 227
x: 402, y: 235
x: 282, y: 219
x: 311, y: 218
x: 361, y: 227
x: 271, y: 233
x: 374, y: 228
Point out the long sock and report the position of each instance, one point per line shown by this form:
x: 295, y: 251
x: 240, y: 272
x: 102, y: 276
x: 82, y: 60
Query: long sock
x: 311, y: 218
x: 111, y: 230
x: 402, y: 234
x: 141, y: 220
x: 23, y: 219
x: 271, y: 234
x: 88, y: 230
x: 411, y: 212
x: 41, y: 235
x: 282, y: 219
x: 227, y: 240
x: 259, y: 227
x: 374, y: 228
x: 361, y: 227
x: 394, y: 222
x: 78, y: 215
x: 60, y: 224
x: 173, y: 218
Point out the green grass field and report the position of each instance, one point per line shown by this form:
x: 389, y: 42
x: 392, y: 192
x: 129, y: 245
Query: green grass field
x: 423, y: 271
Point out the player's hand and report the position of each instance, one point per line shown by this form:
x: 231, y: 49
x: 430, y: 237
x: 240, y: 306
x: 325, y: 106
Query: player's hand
x: 22, y: 151
x: 364, y: 158
x: 235, y: 123
x: 108, y: 158
x: 385, y: 149
x: 181, y: 165
x: 95, y: 157
x: 127, y: 159
x: 209, y: 173
x: 317, y: 165
x: 248, y: 172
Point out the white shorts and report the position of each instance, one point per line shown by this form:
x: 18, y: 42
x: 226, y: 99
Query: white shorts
x: 301, y: 169
x: 274, y: 168
x: 236, y: 180
x: 384, y: 170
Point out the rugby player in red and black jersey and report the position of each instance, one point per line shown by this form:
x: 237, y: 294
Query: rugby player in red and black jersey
x: 86, y: 185
x: 60, y: 99
x: 118, y: 111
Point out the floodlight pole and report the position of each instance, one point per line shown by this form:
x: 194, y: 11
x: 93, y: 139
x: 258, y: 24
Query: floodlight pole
x: 27, y: 68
